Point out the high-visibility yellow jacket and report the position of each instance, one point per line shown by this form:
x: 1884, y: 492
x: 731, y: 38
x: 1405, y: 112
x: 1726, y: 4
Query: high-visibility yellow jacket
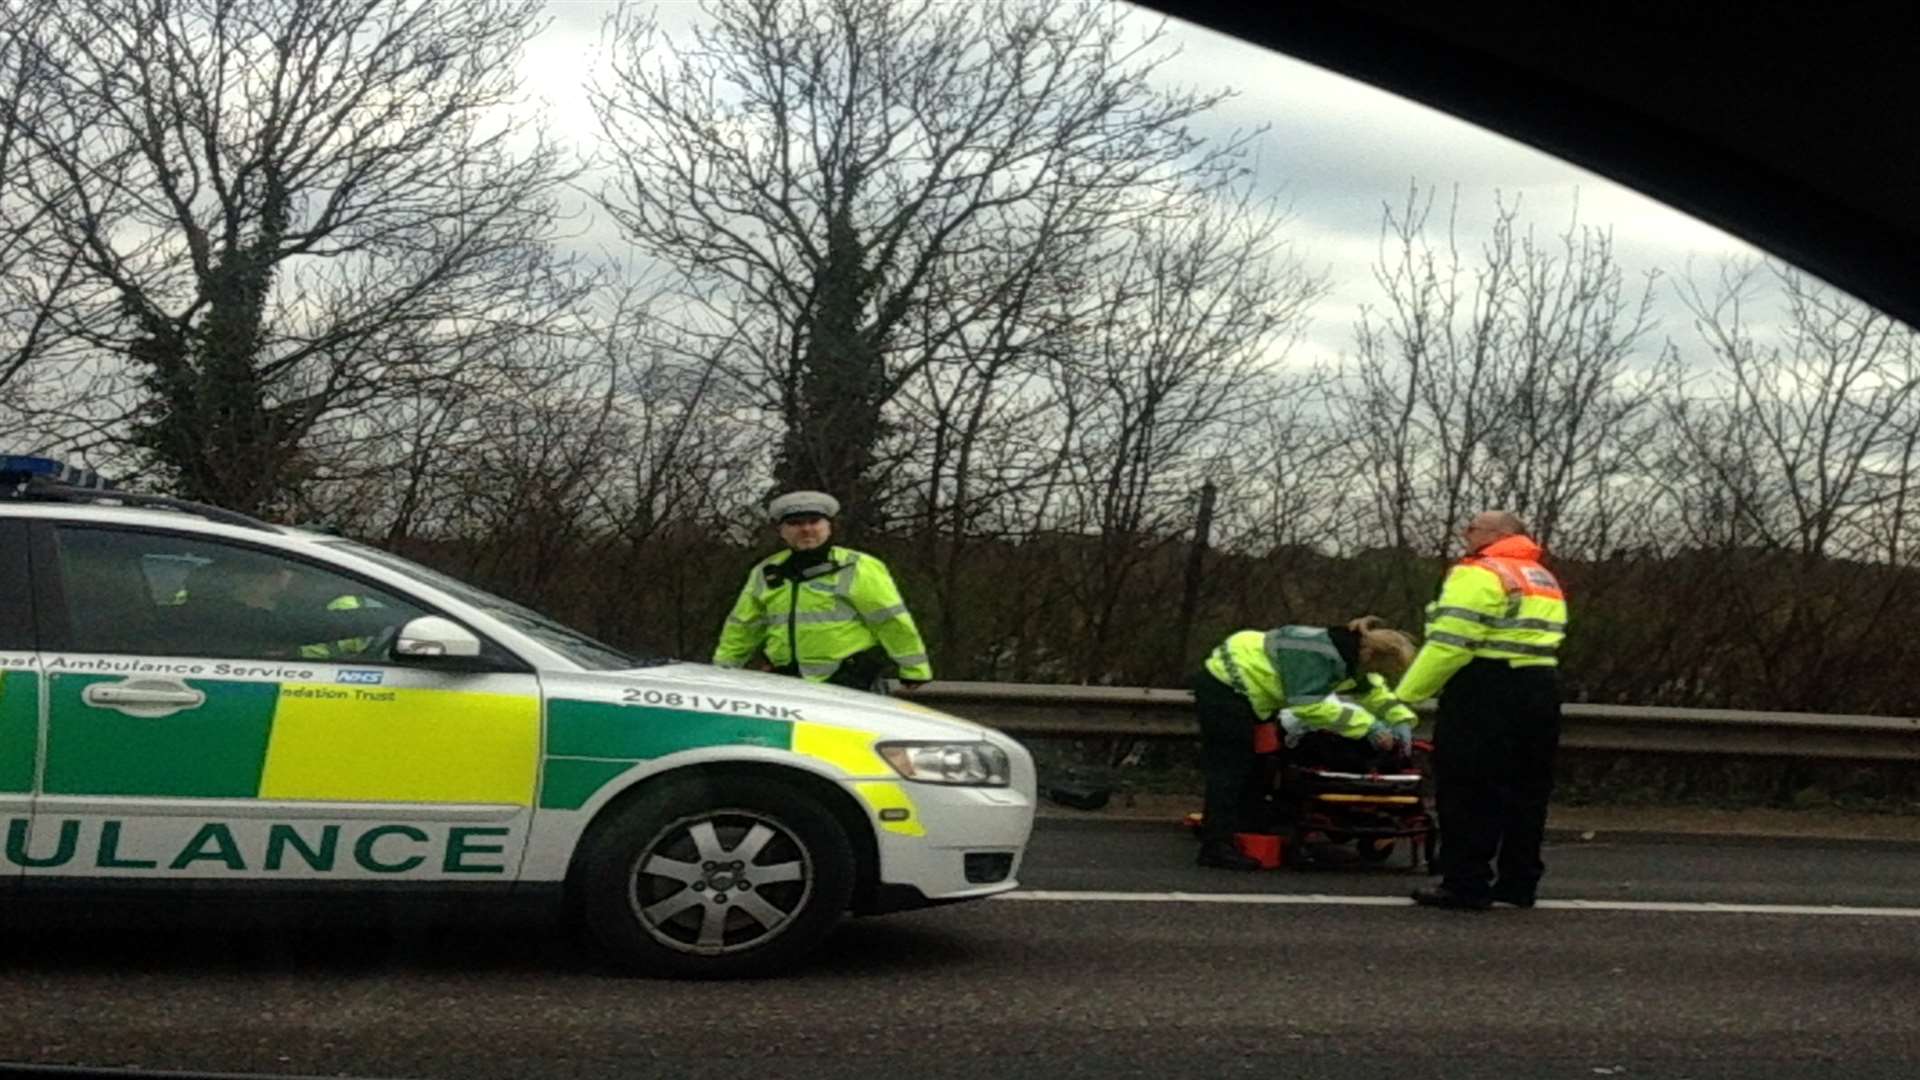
x: 1298, y: 672
x: 319, y: 650
x: 343, y: 647
x: 1498, y: 603
x: 818, y: 618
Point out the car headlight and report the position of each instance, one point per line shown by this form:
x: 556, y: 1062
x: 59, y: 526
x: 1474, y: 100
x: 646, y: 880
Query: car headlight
x: 973, y: 764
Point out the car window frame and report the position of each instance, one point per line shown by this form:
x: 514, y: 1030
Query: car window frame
x: 55, y: 629
x: 19, y: 626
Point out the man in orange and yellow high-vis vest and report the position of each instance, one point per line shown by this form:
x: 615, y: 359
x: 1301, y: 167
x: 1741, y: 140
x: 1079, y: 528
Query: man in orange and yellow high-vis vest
x: 1491, y: 652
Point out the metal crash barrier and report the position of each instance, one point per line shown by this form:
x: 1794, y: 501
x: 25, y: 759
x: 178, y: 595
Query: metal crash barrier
x: 1069, y: 712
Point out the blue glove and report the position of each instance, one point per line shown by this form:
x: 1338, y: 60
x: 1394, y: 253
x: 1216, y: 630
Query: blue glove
x: 1403, y: 740
x: 1381, y: 736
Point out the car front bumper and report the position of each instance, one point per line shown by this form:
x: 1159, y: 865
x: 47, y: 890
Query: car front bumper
x: 966, y: 842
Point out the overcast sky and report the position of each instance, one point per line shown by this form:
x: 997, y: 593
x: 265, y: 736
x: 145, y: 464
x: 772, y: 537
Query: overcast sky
x: 1336, y: 149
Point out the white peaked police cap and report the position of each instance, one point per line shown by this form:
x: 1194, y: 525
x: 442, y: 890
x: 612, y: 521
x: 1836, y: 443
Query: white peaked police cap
x: 803, y: 503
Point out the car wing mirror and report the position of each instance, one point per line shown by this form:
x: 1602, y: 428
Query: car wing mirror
x: 432, y: 637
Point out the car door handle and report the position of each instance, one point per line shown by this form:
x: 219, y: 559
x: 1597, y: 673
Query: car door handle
x: 148, y: 699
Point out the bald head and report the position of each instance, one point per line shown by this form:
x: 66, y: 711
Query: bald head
x: 1506, y: 522
x: 1491, y: 526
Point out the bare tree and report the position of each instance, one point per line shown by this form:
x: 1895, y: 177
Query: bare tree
x: 400, y: 467
x: 1171, y: 358
x: 684, y: 478
x: 1805, y: 430
x: 1890, y: 528
x: 24, y: 312
x: 1293, y: 483
x: 1793, y: 466
x: 39, y: 288
x: 974, y: 448
x: 1507, y: 381
x: 812, y: 167
x: 294, y: 207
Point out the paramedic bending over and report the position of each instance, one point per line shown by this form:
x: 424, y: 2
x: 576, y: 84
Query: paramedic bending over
x: 1293, y: 672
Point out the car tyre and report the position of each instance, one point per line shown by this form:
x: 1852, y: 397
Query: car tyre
x: 715, y: 876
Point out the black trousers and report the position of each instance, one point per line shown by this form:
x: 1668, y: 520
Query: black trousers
x: 1226, y: 755
x: 1494, y: 745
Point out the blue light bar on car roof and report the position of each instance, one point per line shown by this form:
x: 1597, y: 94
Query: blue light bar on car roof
x: 19, y: 468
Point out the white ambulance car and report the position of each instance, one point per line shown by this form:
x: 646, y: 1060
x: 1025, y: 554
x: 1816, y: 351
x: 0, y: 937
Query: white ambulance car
x: 191, y: 699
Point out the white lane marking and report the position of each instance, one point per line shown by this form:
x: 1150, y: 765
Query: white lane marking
x: 1310, y: 899
x: 1097, y: 896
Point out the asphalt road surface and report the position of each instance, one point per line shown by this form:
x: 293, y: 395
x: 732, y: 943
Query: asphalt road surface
x: 1123, y: 961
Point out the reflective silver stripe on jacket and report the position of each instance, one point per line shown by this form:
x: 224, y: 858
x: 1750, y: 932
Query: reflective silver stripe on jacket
x: 911, y: 659
x: 1498, y: 622
x: 1488, y: 648
x: 779, y: 618
x: 1276, y: 641
x: 1517, y: 648
x: 885, y: 613
x: 821, y: 670
x: 1295, y: 726
x: 837, y: 615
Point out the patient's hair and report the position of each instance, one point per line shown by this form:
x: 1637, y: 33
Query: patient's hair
x: 1391, y: 651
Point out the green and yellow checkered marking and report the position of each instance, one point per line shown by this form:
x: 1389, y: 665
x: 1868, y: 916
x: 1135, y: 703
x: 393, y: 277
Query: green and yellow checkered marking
x: 299, y: 742
x: 19, y: 730
x: 590, y: 743
x: 423, y: 746
x: 321, y: 742
x: 214, y: 751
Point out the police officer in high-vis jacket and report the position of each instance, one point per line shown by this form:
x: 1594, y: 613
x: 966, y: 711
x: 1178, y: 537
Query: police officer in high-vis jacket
x: 1491, y: 653
x: 1324, y: 683
x: 824, y: 613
